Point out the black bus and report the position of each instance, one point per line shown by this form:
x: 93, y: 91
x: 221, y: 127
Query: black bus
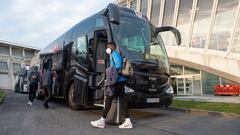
x: 79, y: 58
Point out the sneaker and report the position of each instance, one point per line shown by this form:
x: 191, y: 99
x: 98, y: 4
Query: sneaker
x: 46, y: 105
x: 127, y: 124
x: 98, y: 123
x: 29, y: 103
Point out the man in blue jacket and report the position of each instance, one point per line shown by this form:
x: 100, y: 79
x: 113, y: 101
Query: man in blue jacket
x: 118, y: 90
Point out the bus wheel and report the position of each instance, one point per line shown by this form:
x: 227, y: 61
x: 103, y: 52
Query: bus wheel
x: 72, y: 100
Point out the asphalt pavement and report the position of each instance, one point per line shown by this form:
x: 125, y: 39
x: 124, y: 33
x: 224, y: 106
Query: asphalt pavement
x: 16, y: 118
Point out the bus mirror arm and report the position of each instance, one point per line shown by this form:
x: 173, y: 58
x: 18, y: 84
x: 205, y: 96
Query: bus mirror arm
x: 90, y: 47
x: 172, y: 29
x: 112, y: 13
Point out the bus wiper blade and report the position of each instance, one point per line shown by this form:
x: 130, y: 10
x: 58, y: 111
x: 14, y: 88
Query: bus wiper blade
x: 149, y: 65
x: 145, y: 62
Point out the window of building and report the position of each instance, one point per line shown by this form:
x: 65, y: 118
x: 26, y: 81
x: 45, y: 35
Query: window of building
x: 208, y: 82
x: 201, y: 23
x: 133, y: 4
x: 176, y: 70
x: 3, y: 65
x: 183, y: 20
x: 81, y: 50
x: 168, y: 12
x: 236, y: 42
x: 16, y: 67
x: 4, y: 50
x: 29, y: 54
x: 190, y: 71
x: 144, y: 6
x: 155, y: 13
x: 17, y: 52
x: 223, y: 24
x: 226, y: 81
x: 168, y: 21
x: 124, y: 5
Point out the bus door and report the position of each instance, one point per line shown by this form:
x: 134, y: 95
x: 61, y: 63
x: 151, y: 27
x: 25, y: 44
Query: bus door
x: 64, y: 75
x: 100, y: 63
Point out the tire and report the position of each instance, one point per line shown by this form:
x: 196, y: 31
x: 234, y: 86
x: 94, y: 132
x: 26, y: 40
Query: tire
x: 71, y: 99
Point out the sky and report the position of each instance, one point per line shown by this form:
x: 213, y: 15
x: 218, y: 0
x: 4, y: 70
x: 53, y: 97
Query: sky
x: 39, y: 22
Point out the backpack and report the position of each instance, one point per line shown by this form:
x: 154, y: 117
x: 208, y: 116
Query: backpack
x: 127, y: 70
x: 111, y: 76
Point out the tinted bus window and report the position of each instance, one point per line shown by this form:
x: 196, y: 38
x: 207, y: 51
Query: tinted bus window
x: 81, y: 50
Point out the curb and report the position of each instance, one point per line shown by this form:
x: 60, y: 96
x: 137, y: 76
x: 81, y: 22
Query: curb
x: 205, y: 112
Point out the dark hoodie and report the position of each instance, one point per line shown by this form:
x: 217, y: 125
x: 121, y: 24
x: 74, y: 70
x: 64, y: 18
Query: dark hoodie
x: 47, y: 78
x: 34, y: 76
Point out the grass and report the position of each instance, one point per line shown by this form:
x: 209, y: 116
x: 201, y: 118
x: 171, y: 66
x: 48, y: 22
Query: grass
x: 209, y: 106
x: 2, y: 94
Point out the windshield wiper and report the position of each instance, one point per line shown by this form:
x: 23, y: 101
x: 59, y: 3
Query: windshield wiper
x: 153, y: 43
x: 145, y: 62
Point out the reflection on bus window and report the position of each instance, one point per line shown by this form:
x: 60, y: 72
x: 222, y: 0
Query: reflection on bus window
x: 81, y: 50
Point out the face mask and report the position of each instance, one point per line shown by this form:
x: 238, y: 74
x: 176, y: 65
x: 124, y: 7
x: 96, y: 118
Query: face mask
x: 108, y: 51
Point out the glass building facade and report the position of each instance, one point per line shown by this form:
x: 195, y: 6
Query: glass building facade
x: 208, y: 25
x: 223, y: 24
x: 155, y: 12
x: 201, y: 24
x: 144, y: 7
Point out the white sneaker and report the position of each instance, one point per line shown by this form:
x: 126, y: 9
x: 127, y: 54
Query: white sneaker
x: 29, y: 103
x: 99, y: 123
x: 127, y: 124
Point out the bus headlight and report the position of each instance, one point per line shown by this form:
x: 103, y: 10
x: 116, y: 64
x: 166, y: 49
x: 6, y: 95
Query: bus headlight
x: 170, y: 90
x: 128, y: 90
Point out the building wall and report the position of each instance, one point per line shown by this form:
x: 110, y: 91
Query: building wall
x: 12, y: 59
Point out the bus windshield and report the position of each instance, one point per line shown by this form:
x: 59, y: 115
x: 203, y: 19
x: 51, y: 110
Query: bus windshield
x: 135, y: 38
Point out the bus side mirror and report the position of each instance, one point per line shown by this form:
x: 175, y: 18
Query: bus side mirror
x: 113, y: 13
x: 74, y: 49
x: 172, y: 29
x: 90, y: 47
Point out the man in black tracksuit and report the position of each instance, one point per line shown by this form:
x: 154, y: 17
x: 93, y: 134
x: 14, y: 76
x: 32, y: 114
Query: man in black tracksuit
x: 34, y: 78
x: 47, y: 80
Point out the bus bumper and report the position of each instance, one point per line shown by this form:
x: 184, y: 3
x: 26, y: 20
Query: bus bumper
x: 139, y: 100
